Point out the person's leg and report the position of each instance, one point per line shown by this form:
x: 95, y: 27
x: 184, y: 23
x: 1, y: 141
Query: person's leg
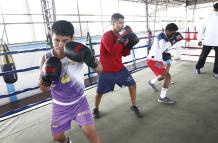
x: 165, y: 84
x: 168, y: 70
x: 132, y: 93
x: 96, y: 113
x: 166, y: 80
x: 61, y: 138
x: 156, y: 79
x: 125, y: 78
x: 85, y: 121
x: 90, y: 132
x: 157, y: 68
x: 202, y: 58
x: 161, y: 71
x: 215, y: 68
x: 105, y: 84
x: 60, y: 122
x: 98, y: 100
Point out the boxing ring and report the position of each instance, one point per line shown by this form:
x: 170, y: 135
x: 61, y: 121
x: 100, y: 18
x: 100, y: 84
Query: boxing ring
x: 192, y: 119
x: 26, y: 84
x: 24, y: 95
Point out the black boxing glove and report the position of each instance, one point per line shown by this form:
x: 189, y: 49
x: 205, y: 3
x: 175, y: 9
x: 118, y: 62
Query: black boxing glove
x: 51, y: 71
x: 80, y: 53
x: 128, y: 38
x: 176, y: 38
x: 166, y: 56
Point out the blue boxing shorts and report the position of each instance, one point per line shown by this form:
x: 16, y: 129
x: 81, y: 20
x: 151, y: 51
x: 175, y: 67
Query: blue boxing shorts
x: 107, y: 81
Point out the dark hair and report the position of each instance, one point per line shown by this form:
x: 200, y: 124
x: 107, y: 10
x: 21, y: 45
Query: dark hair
x: 116, y: 16
x: 215, y: 6
x: 171, y: 27
x: 63, y: 27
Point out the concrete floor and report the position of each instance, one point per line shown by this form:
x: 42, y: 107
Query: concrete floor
x: 193, y: 119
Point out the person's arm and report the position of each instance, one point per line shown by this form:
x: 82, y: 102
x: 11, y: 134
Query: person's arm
x: 99, y: 68
x: 111, y: 47
x: 81, y: 53
x: 164, y: 45
x: 42, y: 87
x: 201, y: 34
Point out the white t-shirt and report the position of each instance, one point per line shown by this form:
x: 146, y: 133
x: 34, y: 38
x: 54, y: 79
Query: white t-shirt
x: 209, y: 32
x: 160, y: 45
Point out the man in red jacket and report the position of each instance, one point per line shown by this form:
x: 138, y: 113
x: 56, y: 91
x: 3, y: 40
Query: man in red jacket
x: 113, y: 46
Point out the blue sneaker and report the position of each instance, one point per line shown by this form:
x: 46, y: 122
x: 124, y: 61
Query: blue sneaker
x: 216, y: 75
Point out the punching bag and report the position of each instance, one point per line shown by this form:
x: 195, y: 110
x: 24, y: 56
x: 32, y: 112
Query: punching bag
x: 7, y: 64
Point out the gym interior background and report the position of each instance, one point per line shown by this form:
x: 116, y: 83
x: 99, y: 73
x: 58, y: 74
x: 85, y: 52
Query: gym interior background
x: 24, y: 35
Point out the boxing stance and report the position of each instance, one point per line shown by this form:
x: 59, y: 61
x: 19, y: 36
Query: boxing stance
x: 62, y: 74
x: 159, y: 57
x: 113, y: 47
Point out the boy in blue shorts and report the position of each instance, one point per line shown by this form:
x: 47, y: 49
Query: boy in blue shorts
x: 112, y: 48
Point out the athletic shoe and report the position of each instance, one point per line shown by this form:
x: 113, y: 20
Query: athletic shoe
x: 136, y: 111
x: 165, y: 100
x: 152, y: 86
x: 96, y: 113
x: 198, y: 71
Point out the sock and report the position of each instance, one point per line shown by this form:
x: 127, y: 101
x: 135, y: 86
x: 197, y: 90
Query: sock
x: 163, y: 92
x: 154, y: 80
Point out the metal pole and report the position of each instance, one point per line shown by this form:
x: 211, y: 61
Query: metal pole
x: 193, y: 13
x: 118, y: 5
x: 146, y: 8
x: 54, y: 10
x: 4, y: 30
x: 186, y: 15
x: 29, y: 17
x: 155, y: 16
x: 134, y: 14
x: 102, y: 24
x: 80, y: 27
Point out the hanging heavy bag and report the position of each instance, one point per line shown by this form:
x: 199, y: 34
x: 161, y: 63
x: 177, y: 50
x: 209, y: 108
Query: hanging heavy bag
x: 8, y: 65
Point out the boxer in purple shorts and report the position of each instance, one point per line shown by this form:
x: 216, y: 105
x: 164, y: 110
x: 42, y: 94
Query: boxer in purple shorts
x: 62, y: 74
x: 63, y: 115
